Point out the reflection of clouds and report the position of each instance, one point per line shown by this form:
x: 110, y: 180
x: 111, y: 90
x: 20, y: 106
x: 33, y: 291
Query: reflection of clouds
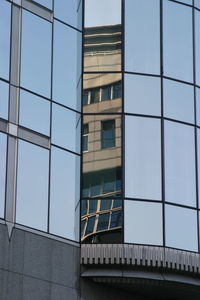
x: 108, y: 12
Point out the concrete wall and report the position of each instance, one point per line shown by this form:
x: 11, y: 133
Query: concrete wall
x: 34, y: 267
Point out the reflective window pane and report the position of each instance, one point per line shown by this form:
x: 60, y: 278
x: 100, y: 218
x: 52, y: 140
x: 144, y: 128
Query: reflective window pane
x: 65, y: 65
x: 196, y: 3
x: 63, y: 193
x: 142, y: 39
x: 64, y: 127
x: 93, y: 205
x: 116, y: 219
x: 3, y: 147
x: 103, y: 35
x: 102, y: 92
x: 32, y: 186
x: 98, y: 13
x: 103, y: 222
x: 178, y: 101
x: 46, y: 3
x: 198, y: 157
x: 66, y: 10
x: 142, y: 158
x: 180, y: 164
x: 102, y: 161
x: 177, y: 39
x: 90, y: 225
x: 34, y: 112
x: 5, y: 19
x: 4, y: 98
x: 105, y: 204
x: 197, y: 45
x: 142, y: 95
x: 181, y: 228
x: 36, y: 54
x: 143, y: 223
x: 198, y: 106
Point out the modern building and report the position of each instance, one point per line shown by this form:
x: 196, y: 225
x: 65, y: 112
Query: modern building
x: 99, y: 149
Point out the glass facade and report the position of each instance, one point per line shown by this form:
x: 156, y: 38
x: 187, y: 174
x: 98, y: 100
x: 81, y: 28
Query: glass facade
x: 40, y: 115
x: 127, y: 116
x: 154, y: 57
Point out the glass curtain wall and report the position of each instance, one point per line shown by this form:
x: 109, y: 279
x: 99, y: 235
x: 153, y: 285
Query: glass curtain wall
x: 156, y: 179
x: 43, y: 97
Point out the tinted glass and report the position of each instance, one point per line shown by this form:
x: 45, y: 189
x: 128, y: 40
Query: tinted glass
x: 102, y: 92
x: 34, y: 112
x: 103, y: 35
x: 36, y: 54
x: 181, y: 228
x: 178, y: 50
x: 46, y: 3
x: 197, y: 3
x: 142, y: 39
x: 64, y: 127
x: 101, y: 166
x: 3, y: 147
x: 63, y: 187
x: 178, y: 101
x: 32, y: 186
x: 180, y: 164
x: 143, y: 223
x: 66, y: 10
x: 90, y: 225
x: 5, y: 14
x: 197, y: 45
x: 4, y: 94
x: 116, y: 219
x: 93, y: 205
x: 65, y: 65
x: 198, y: 106
x: 103, y: 222
x: 198, y: 156
x: 142, y: 158
x: 142, y: 95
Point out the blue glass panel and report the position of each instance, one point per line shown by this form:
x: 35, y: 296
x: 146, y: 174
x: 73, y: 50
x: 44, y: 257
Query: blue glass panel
x: 3, y: 147
x: 4, y: 98
x: 32, y: 186
x: 64, y: 184
x: 5, y: 14
x: 65, y: 65
x: 36, y: 54
x: 34, y: 112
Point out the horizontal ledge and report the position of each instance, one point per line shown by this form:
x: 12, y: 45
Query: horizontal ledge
x: 140, y: 256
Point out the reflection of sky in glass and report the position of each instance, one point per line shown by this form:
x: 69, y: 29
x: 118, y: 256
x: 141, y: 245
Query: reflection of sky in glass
x: 46, y: 3
x: 142, y: 95
x: 103, y: 12
x: 143, y: 158
x: 178, y: 101
x: 63, y: 185
x: 65, y: 64
x: 177, y: 39
x: 142, y: 36
x: 34, y: 112
x: 3, y: 141
x: 197, y: 45
x: 66, y: 10
x: 4, y: 38
x: 64, y: 127
x: 32, y: 186
x: 143, y: 223
x: 181, y: 228
x: 4, y: 92
x: 180, y: 164
x: 36, y: 54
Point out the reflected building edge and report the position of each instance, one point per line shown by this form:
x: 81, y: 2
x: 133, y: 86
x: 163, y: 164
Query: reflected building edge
x: 101, y: 213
